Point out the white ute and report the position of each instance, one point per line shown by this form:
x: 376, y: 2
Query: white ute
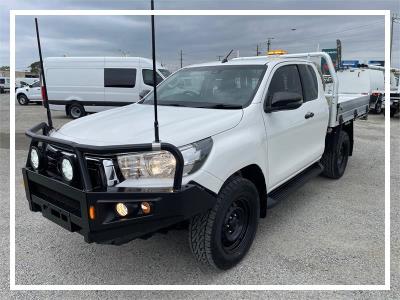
x: 250, y: 130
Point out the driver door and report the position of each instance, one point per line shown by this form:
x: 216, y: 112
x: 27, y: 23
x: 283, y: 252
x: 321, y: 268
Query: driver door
x: 287, y: 130
x: 35, y: 91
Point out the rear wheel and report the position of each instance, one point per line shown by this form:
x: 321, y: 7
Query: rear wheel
x: 222, y: 236
x: 23, y: 99
x: 335, y: 160
x: 378, y: 107
x: 76, y: 110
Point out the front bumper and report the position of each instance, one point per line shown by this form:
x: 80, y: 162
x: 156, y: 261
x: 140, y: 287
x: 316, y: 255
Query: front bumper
x: 68, y: 206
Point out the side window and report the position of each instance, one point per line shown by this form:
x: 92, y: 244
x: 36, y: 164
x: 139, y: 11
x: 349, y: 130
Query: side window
x: 148, y: 77
x: 36, y: 84
x: 309, y: 82
x: 285, y: 82
x: 122, y: 78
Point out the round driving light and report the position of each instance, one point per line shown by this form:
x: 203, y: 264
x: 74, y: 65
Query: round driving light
x: 146, y: 208
x: 34, y: 158
x: 121, y: 209
x: 67, y: 170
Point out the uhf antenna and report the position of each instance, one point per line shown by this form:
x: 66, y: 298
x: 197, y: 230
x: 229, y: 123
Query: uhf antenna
x: 153, y: 50
x: 226, y: 57
x: 44, y: 87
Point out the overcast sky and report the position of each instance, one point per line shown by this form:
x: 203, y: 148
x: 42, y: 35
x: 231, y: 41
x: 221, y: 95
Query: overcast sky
x: 202, y: 38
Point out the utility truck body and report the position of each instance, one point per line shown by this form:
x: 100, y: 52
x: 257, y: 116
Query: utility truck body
x: 236, y: 138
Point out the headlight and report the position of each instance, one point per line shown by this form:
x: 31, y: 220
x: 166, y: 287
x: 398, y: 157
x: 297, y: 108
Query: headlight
x: 195, y: 155
x: 34, y: 158
x: 161, y: 164
x: 156, y: 164
x: 67, y: 169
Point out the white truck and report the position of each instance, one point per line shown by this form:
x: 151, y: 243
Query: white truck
x: 78, y: 85
x: 31, y: 93
x: 236, y: 138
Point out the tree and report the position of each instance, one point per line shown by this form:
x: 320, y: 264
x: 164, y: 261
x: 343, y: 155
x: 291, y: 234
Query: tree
x: 5, y: 68
x: 35, y: 67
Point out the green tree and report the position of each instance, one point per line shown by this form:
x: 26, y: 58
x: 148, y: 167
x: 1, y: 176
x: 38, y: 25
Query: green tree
x: 5, y: 68
x: 35, y: 67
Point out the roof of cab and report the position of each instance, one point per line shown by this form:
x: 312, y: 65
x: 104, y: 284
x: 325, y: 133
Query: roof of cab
x: 251, y: 60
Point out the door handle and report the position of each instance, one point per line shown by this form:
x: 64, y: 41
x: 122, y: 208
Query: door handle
x: 309, y: 115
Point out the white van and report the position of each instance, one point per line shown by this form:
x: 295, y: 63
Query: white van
x: 78, y: 85
x: 4, y: 84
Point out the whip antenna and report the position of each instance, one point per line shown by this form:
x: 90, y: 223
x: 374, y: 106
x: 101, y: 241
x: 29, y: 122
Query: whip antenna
x: 44, y: 86
x: 153, y: 50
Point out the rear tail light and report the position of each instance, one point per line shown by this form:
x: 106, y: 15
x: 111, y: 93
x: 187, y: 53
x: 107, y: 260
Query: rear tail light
x: 44, y: 96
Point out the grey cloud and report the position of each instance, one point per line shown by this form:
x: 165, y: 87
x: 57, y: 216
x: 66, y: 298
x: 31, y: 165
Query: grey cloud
x: 202, y: 38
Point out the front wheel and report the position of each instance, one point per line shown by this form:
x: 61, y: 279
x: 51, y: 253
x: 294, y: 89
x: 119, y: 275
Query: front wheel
x: 22, y: 99
x: 335, y: 160
x: 222, y: 236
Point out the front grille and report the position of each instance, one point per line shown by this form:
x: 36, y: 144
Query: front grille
x: 95, y: 173
x: 95, y: 168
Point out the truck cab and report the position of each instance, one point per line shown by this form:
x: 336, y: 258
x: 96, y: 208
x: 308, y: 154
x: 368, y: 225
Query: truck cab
x: 236, y: 138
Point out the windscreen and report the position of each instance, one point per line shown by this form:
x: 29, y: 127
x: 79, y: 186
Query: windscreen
x: 210, y: 87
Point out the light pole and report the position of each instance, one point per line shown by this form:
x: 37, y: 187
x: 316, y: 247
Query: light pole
x: 269, y: 43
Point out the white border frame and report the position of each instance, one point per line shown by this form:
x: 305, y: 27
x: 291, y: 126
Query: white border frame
x: 14, y: 13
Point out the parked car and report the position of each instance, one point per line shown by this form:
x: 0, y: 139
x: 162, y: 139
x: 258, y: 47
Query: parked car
x: 236, y: 138
x: 4, y: 84
x: 29, y: 93
x: 78, y: 85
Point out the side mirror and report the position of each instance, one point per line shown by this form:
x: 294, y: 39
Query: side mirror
x: 30, y: 85
x: 143, y: 94
x: 284, y: 101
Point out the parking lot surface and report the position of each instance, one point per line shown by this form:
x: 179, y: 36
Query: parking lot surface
x: 328, y: 232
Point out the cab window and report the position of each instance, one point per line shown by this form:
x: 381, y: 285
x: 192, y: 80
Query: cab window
x: 286, y: 80
x: 309, y: 82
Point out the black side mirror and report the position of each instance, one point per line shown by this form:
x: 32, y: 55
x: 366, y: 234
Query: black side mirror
x: 284, y: 101
x: 143, y: 93
x: 30, y: 86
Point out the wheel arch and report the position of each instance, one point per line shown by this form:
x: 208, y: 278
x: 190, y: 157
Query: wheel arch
x: 255, y: 174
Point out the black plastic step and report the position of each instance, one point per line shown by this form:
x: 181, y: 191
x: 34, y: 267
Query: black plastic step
x: 293, y: 184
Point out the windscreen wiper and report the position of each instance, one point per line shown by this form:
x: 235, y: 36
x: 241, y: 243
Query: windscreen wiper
x: 223, y: 106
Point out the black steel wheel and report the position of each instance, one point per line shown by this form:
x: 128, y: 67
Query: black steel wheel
x: 335, y: 159
x: 222, y: 236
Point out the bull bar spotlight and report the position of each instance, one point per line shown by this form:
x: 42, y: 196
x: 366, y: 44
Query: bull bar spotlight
x: 67, y: 168
x: 34, y: 158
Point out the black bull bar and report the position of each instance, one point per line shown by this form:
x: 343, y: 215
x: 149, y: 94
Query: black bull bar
x: 69, y: 206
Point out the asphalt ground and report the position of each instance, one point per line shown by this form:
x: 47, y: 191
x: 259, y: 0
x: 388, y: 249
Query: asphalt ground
x: 328, y: 232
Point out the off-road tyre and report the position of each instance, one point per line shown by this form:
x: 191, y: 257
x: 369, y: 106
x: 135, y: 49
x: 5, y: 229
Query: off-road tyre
x: 335, y: 159
x: 209, y: 234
